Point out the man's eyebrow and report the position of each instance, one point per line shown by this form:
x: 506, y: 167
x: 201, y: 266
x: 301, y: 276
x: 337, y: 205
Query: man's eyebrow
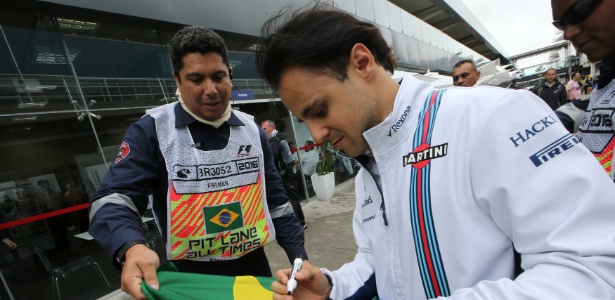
x: 194, y: 74
x: 306, y: 110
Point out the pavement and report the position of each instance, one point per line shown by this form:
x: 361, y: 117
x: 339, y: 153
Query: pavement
x: 329, y: 241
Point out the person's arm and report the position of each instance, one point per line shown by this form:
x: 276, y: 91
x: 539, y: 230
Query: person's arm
x: 116, y: 208
x: 357, y: 279
x: 123, y: 195
x: 535, y: 90
x: 7, y: 241
x: 289, y: 232
x: 552, y: 199
x: 354, y: 280
x: 569, y: 87
x: 286, y: 150
x: 563, y: 96
x: 309, y: 163
x: 276, y: 153
x: 566, y: 120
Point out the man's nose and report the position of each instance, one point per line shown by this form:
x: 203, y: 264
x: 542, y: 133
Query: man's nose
x: 319, y: 131
x: 209, y: 88
x: 570, y: 31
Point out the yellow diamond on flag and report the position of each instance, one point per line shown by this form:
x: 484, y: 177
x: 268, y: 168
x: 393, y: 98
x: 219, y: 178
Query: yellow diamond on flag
x: 224, y: 218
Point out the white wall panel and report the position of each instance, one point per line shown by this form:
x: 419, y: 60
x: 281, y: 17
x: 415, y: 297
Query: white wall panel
x: 406, y: 23
x: 394, y: 17
x: 346, y: 5
x: 381, y: 12
x: 365, y: 9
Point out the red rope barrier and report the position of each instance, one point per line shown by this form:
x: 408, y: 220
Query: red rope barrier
x: 43, y: 216
x: 306, y: 147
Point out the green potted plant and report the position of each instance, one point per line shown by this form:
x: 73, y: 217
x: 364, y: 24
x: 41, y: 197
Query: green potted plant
x: 326, y: 157
x: 323, y: 181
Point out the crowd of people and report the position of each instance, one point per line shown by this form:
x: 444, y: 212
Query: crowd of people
x: 470, y: 192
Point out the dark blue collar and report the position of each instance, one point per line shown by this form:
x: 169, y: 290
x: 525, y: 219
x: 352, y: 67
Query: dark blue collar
x: 607, y: 72
x: 182, y: 118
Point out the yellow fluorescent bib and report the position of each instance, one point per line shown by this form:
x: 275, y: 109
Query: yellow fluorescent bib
x: 217, y: 224
x: 216, y: 202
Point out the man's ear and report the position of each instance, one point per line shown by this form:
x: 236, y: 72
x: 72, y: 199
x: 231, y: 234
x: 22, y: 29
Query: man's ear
x: 177, y: 80
x: 478, y: 74
x: 362, y: 60
x: 230, y: 73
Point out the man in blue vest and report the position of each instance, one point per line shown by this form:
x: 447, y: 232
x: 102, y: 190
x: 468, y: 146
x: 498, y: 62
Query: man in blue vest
x: 216, y: 195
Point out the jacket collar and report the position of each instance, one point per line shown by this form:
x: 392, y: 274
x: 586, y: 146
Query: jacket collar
x: 398, y: 125
x: 183, y: 118
x: 607, y: 72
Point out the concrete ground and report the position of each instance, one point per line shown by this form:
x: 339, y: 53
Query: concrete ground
x: 328, y: 239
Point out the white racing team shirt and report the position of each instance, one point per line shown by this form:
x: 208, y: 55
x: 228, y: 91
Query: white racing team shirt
x: 465, y: 174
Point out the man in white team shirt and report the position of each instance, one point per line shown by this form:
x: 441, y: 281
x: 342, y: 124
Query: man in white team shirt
x: 452, y: 181
x: 589, y: 26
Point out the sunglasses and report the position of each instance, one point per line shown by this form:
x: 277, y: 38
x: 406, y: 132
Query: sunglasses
x: 576, y: 13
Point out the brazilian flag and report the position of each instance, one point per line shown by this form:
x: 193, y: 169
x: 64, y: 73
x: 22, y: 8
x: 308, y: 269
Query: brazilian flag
x: 181, y: 286
x: 223, y: 217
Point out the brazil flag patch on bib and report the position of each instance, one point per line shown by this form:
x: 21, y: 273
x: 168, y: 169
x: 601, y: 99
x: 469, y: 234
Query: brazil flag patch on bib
x: 223, y: 217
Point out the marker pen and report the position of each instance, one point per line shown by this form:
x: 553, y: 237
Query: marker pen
x: 292, y: 282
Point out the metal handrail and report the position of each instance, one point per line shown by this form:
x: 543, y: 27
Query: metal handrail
x: 45, y: 88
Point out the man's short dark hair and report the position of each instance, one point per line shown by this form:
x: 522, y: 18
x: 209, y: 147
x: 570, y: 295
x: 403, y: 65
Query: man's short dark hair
x: 193, y: 39
x: 318, y: 38
x: 466, y: 61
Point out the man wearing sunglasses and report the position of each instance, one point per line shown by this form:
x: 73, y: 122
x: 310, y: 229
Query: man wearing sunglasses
x: 589, y: 25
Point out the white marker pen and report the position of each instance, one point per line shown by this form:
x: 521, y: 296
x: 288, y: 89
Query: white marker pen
x: 292, y: 282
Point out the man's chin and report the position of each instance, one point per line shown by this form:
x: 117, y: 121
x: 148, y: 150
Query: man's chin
x: 352, y: 153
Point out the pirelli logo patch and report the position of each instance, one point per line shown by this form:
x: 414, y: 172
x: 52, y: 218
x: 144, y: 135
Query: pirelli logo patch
x: 553, y: 150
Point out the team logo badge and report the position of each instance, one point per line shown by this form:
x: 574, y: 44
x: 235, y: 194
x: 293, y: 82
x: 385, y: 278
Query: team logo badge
x: 400, y: 122
x: 244, y: 150
x: 523, y: 136
x: 183, y: 173
x: 423, y: 154
x: 123, y: 152
x: 553, y: 150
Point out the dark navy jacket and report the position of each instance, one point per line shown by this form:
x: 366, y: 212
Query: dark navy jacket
x: 140, y: 170
x: 554, y: 95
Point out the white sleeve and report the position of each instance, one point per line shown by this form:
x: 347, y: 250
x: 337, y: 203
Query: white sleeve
x: 551, y: 197
x: 360, y: 273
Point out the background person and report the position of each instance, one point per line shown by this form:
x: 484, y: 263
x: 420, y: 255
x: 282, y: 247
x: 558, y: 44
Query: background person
x: 465, y: 73
x: 221, y: 181
x: 277, y: 141
x: 551, y: 90
x: 589, y: 26
x: 573, y: 87
x: 309, y: 160
x: 439, y: 208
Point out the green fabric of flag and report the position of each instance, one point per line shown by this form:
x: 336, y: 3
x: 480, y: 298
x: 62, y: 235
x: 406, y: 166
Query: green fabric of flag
x: 175, y: 285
